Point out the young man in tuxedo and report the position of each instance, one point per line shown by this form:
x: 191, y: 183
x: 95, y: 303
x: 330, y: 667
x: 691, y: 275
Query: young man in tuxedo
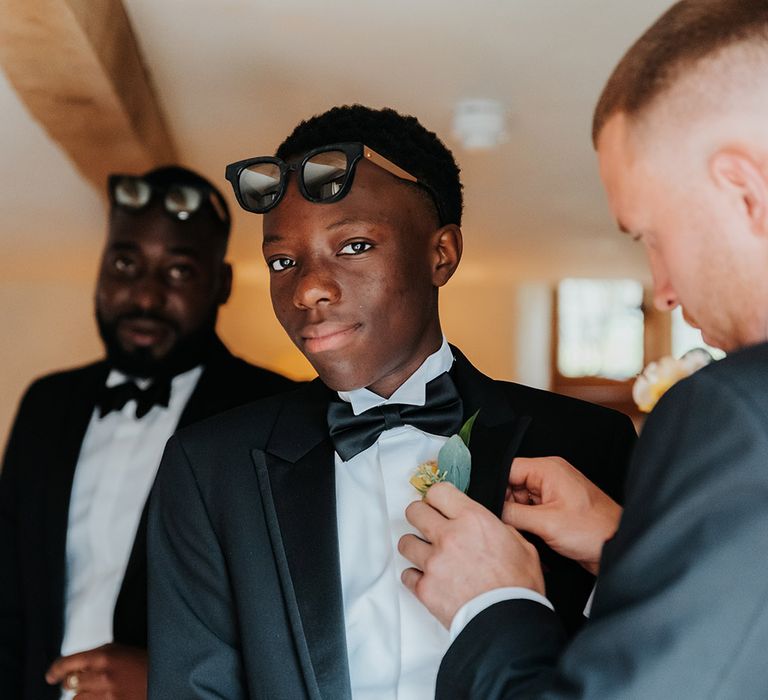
x: 273, y: 533
x: 681, y: 604
x: 86, y: 443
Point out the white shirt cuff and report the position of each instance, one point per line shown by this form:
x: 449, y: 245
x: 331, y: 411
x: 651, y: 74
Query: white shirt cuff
x: 479, y: 603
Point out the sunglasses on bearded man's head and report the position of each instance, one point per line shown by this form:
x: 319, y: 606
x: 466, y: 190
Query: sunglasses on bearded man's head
x: 180, y: 200
x: 324, y: 176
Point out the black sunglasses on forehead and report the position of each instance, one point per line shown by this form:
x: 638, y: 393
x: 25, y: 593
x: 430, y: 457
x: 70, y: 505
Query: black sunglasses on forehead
x: 324, y: 176
x: 180, y: 200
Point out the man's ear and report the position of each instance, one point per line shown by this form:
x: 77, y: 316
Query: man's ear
x: 448, y: 245
x: 225, y: 288
x: 740, y: 175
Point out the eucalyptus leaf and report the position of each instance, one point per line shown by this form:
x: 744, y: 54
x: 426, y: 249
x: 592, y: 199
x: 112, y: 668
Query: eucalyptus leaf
x: 466, y: 430
x: 455, y: 460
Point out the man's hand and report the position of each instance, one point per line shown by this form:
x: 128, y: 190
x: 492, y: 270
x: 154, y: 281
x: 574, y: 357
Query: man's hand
x: 549, y: 498
x: 466, y: 551
x: 109, y: 672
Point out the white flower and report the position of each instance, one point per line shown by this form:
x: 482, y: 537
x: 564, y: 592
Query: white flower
x: 426, y: 475
x: 659, y: 376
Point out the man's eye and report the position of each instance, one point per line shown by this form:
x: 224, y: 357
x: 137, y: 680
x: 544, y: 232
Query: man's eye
x: 125, y: 266
x: 355, y: 248
x: 280, y: 264
x: 179, y: 273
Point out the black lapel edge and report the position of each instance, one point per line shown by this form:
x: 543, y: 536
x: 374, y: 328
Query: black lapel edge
x: 273, y: 525
x: 308, y: 410
x: 495, y: 449
x: 480, y: 392
x: 497, y: 434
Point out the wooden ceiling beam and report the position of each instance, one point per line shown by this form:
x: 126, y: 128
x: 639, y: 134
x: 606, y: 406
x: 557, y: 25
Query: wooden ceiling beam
x: 77, y: 67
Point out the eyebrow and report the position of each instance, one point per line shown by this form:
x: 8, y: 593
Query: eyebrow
x: 348, y: 221
x: 276, y: 238
x: 123, y: 245
x: 187, y: 251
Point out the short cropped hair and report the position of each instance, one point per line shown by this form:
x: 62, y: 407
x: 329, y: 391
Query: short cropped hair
x: 399, y: 138
x: 690, y: 31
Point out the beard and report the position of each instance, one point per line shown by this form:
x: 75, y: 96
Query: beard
x: 188, y: 351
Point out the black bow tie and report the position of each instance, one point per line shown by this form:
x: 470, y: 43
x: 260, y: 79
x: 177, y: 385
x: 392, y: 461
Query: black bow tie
x: 113, y: 398
x: 441, y: 415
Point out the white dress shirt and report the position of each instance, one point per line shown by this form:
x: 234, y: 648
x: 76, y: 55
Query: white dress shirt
x: 115, y: 471
x: 394, y: 644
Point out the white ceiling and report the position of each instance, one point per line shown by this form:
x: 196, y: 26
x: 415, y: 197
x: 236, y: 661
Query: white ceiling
x: 234, y: 76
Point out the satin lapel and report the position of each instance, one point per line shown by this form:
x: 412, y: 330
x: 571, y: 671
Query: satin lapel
x: 496, y: 435
x: 74, y: 415
x: 493, y: 447
x: 298, y: 487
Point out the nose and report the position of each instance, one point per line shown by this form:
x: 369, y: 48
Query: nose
x: 664, y: 297
x: 148, y: 292
x: 315, y: 286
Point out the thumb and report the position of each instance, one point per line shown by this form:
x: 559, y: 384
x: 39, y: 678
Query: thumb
x: 526, y: 473
x: 410, y: 577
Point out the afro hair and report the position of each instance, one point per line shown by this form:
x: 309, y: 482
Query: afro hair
x: 401, y: 139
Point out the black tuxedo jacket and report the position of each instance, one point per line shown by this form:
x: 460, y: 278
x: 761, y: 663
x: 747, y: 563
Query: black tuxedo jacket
x: 681, y: 605
x: 35, y: 486
x: 245, y: 596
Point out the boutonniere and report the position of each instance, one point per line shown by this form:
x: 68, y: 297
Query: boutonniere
x: 454, y: 463
x: 659, y: 376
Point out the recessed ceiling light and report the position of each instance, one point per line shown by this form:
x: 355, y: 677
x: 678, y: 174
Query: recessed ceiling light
x: 479, y: 124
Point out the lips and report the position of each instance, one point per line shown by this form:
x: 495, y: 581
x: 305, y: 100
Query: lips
x: 326, y: 336
x: 142, y: 333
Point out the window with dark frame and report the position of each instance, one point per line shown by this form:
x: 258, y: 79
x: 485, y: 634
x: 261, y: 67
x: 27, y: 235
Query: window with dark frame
x: 605, y: 332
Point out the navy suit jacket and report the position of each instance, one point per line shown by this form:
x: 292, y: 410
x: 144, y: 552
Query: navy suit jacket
x: 681, y: 607
x: 245, y: 594
x: 35, y: 486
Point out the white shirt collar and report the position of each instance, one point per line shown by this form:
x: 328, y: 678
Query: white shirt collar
x: 412, y: 391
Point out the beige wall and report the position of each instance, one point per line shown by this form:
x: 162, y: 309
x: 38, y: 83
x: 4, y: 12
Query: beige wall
x: 47, y: 321
x: 45, y: 328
